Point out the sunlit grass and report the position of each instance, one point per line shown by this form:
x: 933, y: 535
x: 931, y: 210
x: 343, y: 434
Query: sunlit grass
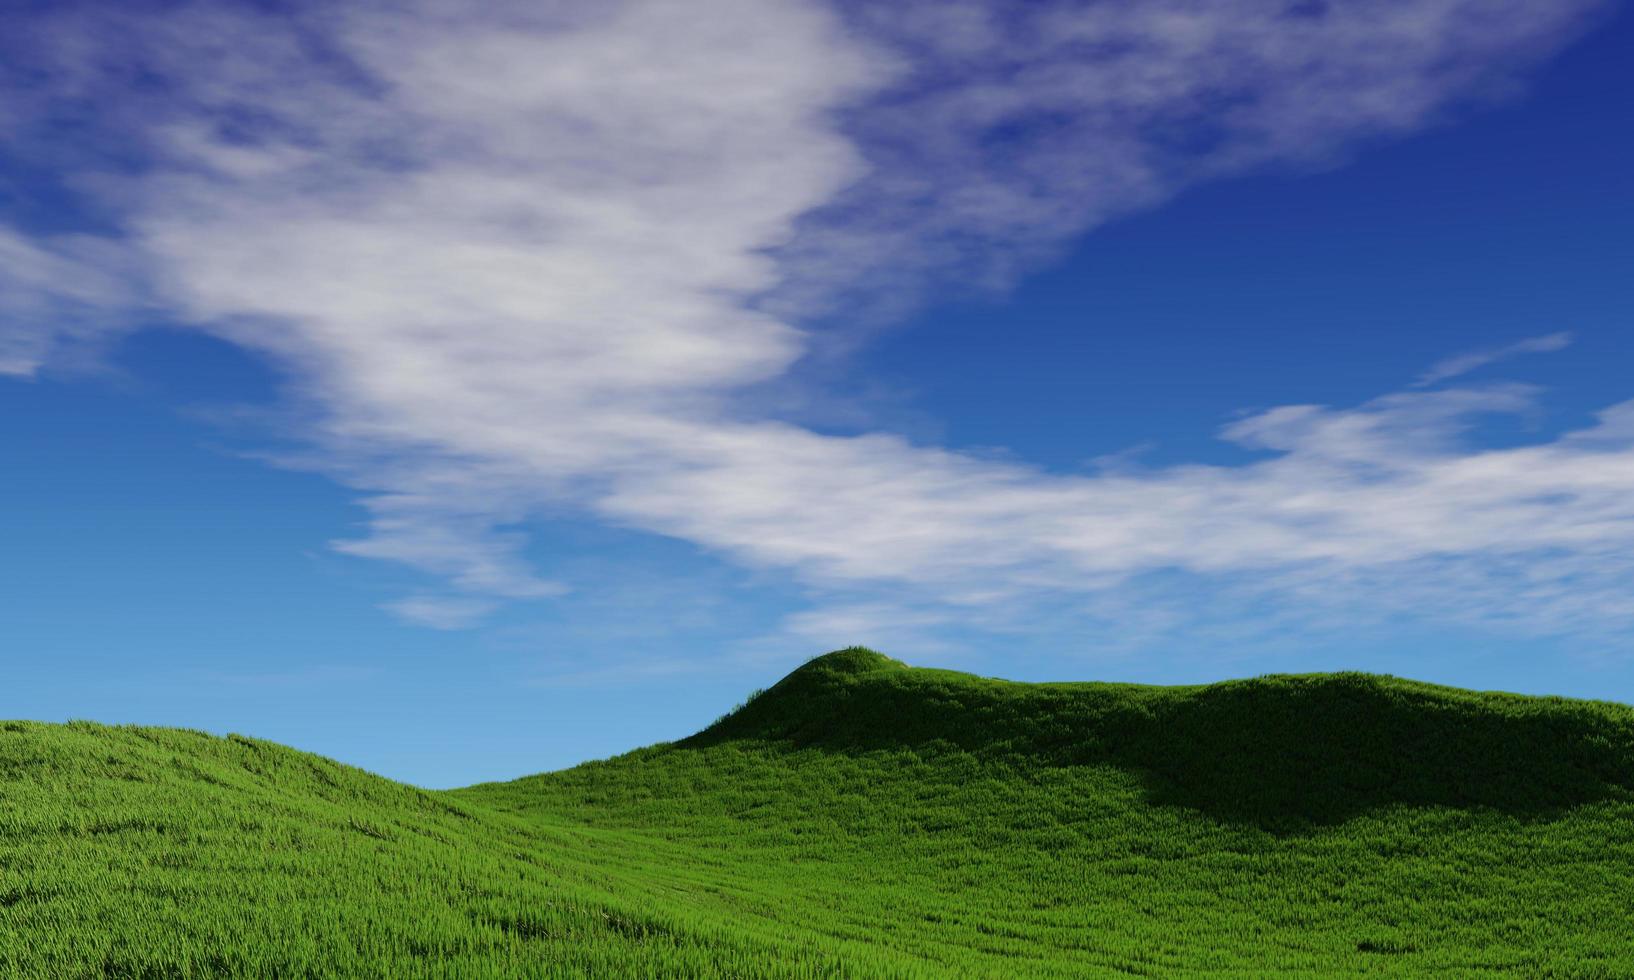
x: 860, y: 819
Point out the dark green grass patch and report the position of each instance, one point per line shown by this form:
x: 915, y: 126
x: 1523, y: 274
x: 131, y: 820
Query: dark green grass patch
x: 861, y: 818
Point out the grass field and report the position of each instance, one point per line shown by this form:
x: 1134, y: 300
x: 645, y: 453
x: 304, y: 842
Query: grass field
x: 861, y: 818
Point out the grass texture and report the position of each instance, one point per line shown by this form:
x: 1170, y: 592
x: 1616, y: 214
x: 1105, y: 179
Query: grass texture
x: 861, y: 819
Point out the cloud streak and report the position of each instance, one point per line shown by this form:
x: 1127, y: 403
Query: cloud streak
x: 527, y: 259
x: 1462, y: 364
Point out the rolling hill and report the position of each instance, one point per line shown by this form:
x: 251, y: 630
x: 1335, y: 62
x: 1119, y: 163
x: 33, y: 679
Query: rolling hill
x: 860, y: 818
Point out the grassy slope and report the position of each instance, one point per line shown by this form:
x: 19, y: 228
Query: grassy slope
x: 861, y: 818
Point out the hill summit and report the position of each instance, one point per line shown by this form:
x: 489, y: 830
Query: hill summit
x: 1279, y: 750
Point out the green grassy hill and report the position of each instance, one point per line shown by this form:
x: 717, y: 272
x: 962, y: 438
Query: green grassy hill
x: 861, y: 818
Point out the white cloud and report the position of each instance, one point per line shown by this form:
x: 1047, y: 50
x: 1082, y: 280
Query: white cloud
x: 1016, y: 126
x: 424, y: 532
x: 1383, y: 488
x: 1462, y: 364
x: 523, y: 259
x: 57, y: 293
x: 441, y: 612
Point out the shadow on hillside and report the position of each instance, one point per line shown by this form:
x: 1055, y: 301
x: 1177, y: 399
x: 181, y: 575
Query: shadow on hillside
x: 1281, y: 753
x: 1285, y: 755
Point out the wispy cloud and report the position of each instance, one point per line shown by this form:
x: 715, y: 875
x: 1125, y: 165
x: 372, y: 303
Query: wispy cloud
x: 1462, y: 364
x: 441, y: 612
x: 1010, y: 128
x: 58, y: 291
x: 524, y: 259
x: 1381, y: 492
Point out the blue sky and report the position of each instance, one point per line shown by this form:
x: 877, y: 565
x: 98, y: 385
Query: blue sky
x: 468, y: 393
